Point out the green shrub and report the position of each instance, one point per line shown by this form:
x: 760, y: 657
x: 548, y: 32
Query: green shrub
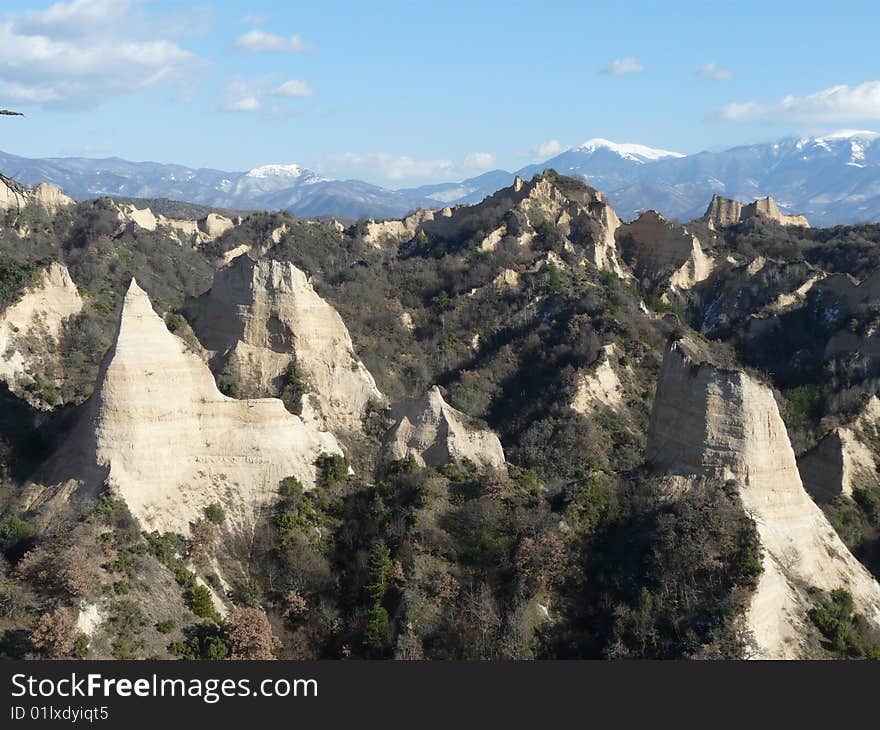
x: 214, y: 513
x: 198, y: 598
x: 166, y: 627
x: 126, y: 620
x: 227, y: 386
x: 203, y: 641
x: 81, y: 646
x: 869, y: 502
x: 332, y: 469
x: 248, y: 593
x: 14, y: 531
x: 174, y: 321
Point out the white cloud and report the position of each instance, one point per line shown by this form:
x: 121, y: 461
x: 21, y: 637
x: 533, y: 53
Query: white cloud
x: 834, y: 105
x: 479, y: 161
x: 263, y: 94
x: 256, y: 41
x: 621, y: 66
x: 243, y: 104
x: 293, y: 88
x: 76, y: 18
x: 713, y: 71
x: 81, y: 52
x: 550, y: 148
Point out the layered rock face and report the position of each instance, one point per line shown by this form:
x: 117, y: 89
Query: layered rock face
x: 171, y: 443
x: 709, y: 422
x: 262, y: 318
x: 15, y: 197
x: 435, y: 434
x: 662, y: 252
x: 838, y: 464
x: 725, y: 212
x: 30, y: 328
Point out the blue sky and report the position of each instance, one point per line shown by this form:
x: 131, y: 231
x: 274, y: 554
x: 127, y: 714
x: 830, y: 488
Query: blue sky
x: 402, y: 93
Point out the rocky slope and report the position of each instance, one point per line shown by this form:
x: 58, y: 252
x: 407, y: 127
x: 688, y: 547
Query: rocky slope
x: 267, y: 326
x: 30, y: 330
x: 155, y: 400
x: 710, y: 422
x: 663, y: 255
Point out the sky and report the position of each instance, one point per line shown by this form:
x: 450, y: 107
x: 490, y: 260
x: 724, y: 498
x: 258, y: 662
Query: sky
x: 407, y: 93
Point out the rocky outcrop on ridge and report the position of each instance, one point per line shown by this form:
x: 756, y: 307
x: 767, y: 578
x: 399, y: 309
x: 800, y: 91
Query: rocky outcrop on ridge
x: 710, y: 422
x: 192, y: 232
x: 524, y: 211
x: 726, y: 212
x: 263, y: 320
x: 395, y: 232
x: 435, y: 434
x: 15, y: 197
x: 169, y: 443
x: 30, y: 329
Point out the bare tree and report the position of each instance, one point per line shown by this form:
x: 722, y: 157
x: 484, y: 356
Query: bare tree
x: 54, y: 633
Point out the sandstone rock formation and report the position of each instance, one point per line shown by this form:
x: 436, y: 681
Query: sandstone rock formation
x: 214, y: 225
x: 191, y: 232
x: 50, y: 198
x: 263, y: 318
x: 839, y: 463
x: 394, y: 232
x: 663, y: 253
x: 601, y: 387
x: 15, y: 197
x: 725, y: 212
x: 710, y: 422
x: 169, y: 443
x: 435, y: 434
x: 30, y: 328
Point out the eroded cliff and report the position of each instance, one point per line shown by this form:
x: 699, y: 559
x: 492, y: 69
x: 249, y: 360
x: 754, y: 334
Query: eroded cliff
x: 712, y: 422
x: 170, y: 443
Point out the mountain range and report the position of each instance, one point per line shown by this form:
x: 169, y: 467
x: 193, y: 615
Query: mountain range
x: 832, y: 179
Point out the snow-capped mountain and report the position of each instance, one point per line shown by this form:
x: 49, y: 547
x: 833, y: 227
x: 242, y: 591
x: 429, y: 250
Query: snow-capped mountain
x: 633, y: 152
x: 600, y: 162
x: 832, y: 178
x: 291, y: 187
